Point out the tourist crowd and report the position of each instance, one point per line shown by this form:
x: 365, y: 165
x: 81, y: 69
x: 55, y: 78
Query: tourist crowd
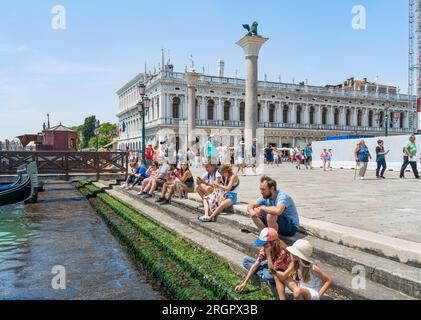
x: 274, y: 212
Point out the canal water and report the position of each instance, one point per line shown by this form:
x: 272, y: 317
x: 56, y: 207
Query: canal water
x: 62, y: 236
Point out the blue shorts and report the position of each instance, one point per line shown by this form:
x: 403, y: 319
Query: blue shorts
x: 286, y: 226
x: 233, y: 197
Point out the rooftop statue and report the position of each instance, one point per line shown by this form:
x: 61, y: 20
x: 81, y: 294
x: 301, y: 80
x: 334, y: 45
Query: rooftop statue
x: 252, y: 31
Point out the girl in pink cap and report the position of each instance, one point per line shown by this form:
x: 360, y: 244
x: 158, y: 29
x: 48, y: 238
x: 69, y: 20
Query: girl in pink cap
x: 273, y: 257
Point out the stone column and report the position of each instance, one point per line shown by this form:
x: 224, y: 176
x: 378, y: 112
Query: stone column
x: 203, y: 108
x: 318, y: 114
x: 293, y: 113
x: 331, y: 115
x: 354, y: 119
x: 251, y: 46
x: 306, y: 114
x: 191, y: 78
x: 265, y: 111
x: 219, y: 109
x: 365, y: 118
x: 236, y: 111
x: 278, y: 112
x: 342, y: 116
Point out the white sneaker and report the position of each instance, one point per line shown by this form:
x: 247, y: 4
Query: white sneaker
x: 361, y: 178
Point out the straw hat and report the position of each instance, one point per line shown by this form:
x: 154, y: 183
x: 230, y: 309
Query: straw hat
x: 302, y: 249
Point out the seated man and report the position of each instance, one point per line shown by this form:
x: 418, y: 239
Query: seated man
x: 205, y: 183
x: 131, y: 177
x: 140, y: 175
x: 274, y: 209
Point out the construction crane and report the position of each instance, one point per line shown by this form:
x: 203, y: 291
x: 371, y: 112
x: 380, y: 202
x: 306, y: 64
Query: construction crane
x: 414, y: 64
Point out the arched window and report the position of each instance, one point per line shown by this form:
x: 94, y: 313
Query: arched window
x: 401, y: 120
x: 348, y: 117
x: 211, y: 107
x: 272, y: 113
x: 259, y: 111
x: 285, y: 114
x: 360, y: 118
x: 370, y: 118
x: 242, y: 111
x: 227, y: 108
x: 299, y: 111
x: 324, y: 116
x: 176, y: 108
x: 336, y: 117
x: 381, y: 119
x: 391, y: 119
x: 311, y: 115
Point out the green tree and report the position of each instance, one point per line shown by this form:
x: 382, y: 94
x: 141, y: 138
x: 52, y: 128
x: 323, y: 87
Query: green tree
x: 88, y: 130
x: 103, y: 141
x: 108, y: 129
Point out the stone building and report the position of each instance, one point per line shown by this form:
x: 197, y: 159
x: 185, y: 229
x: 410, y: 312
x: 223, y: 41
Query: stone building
x: 288, y: 114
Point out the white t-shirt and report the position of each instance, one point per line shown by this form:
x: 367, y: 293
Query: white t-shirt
x: 211, y: 178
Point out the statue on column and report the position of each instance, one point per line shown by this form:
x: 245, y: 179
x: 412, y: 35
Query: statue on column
x: 252, y: 31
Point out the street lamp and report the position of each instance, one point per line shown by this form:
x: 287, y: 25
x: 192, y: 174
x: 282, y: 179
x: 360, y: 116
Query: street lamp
x: 142, y: 108
x: 97, y: 125
x: 385, y: 120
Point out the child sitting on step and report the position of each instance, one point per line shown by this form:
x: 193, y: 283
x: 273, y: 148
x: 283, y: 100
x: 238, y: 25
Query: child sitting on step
x: 273, y: 258
x: 307, y: 281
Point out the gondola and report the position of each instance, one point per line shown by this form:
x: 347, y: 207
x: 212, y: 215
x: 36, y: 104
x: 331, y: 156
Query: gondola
x: 8, y: 185
x: 23, y: 189
x: 18, y: 193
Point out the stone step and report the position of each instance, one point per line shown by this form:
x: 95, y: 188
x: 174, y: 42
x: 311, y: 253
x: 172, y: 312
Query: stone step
x: 399, y: 250
x: 395, y: 275
x: 227, y: 232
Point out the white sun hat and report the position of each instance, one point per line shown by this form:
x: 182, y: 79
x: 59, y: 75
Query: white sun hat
x: 302, y: 249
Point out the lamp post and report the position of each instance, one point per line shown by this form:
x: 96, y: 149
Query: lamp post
x: 142, y: 108
x: 385, y: 120
x: 97, y: 125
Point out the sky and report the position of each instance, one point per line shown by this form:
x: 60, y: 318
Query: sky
x: 73, y: 73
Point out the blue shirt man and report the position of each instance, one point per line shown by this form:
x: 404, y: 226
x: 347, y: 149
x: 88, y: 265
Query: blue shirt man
x: 274, y: 209
x: 142, y: 172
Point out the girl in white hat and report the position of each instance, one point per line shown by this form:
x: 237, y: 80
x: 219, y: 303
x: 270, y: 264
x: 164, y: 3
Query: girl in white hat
x: 310, y: 282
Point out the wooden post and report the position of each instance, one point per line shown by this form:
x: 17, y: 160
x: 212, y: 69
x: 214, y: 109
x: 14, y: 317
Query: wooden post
x: 66, y: 166
x: 97, y: 166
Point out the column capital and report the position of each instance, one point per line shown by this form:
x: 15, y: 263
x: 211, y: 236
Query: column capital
x: 251, y: 45
x: 192, y: 78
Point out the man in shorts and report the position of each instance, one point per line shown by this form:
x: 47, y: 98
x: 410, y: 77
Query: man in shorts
x: 274, y: 209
